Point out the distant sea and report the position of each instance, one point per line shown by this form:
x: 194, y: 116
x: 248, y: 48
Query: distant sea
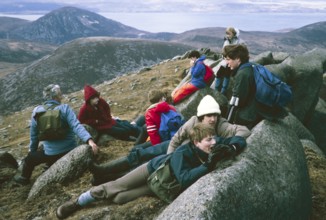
x: 180, y: 22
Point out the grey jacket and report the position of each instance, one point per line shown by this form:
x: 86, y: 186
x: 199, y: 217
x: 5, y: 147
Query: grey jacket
x: 223, y: 129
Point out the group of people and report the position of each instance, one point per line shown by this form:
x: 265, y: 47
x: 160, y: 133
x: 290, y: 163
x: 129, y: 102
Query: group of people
x: 191, y: 148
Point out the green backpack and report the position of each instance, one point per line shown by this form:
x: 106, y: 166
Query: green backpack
x: 50, y: 126
x: 163, y: 182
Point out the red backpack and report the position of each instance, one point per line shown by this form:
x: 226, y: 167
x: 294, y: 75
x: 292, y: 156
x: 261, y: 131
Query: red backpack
x: 209, y: 75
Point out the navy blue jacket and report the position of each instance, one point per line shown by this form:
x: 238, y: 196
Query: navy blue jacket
x: 188, y: 162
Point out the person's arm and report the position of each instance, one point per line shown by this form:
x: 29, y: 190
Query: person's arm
x: 243, y: 84
x: 182, y: 135
x: 152, y: 129
x: 78, y: 129
x: 226, y: 129
x: 198, y: 70
x: 34, y: 141
x: 94, y: 146
x: 229, y: 147
x: 84, y: 118
x: 184, y: 170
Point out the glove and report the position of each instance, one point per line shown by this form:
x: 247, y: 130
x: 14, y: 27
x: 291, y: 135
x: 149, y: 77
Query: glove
x: 225, y: 150
x: 212, y: 159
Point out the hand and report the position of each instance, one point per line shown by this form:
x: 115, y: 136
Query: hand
x: 225, y: 150
x: 212, y: 159
x: 95, y: 148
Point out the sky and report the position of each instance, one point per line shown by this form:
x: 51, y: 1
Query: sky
x: 178, y: 15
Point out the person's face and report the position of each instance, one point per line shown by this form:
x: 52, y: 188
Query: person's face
x: 206, y: 144
x: 229, y: 35
x: 233, y: 64
x: 192, y: 61
x: 210, y: 119
x: 94, y: 101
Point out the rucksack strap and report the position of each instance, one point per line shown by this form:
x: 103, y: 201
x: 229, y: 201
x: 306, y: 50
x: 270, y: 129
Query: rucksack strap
x: 49, y: 107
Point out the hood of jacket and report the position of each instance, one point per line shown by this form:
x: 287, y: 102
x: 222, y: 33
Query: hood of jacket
x: 89, y: 92
x: 160, y: 107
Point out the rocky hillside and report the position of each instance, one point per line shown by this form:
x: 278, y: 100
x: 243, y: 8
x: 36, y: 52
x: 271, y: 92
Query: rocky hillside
x: 295, y: 42
x: 127, y: 96
x: 83, y: 61
x: 23, y: 51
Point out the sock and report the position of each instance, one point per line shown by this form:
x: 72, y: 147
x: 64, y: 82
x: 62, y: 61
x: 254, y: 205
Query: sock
x: 85, y: 199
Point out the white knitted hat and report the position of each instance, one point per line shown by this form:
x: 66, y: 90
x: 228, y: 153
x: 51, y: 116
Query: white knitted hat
x: 208, y: 105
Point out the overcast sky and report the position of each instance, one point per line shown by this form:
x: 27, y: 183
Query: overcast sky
x: 298, y: 6
x: 151, y: 15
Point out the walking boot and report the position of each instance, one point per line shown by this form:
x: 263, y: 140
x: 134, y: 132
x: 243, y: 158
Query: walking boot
x: 112, y: 168
x: 115, y: 166
x: 142, y: 135
x: 67, y: 209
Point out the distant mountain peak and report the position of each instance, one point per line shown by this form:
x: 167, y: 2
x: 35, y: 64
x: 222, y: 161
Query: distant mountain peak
x: 68, y: 23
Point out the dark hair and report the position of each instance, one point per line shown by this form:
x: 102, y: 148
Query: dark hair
x: 194, y: 53
x: 201, y: 131
x: 236, y: 51
x: 155, y: 96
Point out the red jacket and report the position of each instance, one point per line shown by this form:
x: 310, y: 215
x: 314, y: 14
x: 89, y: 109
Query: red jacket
x: 153, y: 120
x: 99, y: 118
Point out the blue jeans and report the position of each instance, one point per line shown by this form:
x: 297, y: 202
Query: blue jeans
x: 145, y: 152
x: 225, y: 84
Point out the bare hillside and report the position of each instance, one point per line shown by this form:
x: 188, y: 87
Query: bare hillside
x: 127, y: 96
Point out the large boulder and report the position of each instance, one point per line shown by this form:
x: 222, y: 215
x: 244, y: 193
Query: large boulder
x: 188, y: 106
x: 306, y: 82
x: 66, y: 169
x: 301, y: 131
x: 8, y: 166
x: 269, y: 180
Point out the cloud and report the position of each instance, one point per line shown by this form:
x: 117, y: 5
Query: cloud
x: 238, y: 6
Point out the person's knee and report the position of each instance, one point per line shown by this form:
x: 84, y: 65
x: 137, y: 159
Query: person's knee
x: 121, y: 198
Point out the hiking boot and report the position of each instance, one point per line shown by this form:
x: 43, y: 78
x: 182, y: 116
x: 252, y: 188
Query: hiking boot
x: 67, y: 209
x: 112, y: 167
x: 142, y: 135
x: 21, y: 180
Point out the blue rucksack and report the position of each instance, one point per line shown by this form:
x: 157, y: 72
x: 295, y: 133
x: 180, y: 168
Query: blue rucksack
x: 270, y: 90
x: 171, y: 121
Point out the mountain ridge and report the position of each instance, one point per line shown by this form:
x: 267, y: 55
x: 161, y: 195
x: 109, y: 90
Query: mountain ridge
x: 68, y: 23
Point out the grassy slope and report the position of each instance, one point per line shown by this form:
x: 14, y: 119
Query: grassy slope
x: 128, y: 98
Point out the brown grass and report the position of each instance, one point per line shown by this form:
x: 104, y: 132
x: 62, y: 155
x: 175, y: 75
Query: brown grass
x: 128, y: 98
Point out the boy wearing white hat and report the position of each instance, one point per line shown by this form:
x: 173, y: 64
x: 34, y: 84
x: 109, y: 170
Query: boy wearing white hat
x: 208, y: 112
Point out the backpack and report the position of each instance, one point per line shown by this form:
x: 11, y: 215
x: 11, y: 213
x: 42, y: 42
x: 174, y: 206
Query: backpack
x: 209, y: 75
x: 270, y: 90
x: 50, y: 125
x: 171, y: 121
x: 163, y: 182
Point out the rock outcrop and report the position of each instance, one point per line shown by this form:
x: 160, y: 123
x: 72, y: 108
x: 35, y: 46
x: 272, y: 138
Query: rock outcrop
x: 68, y: 168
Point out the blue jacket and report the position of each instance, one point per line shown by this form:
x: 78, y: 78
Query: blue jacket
x: 198, y: 72
x: 185, y: 162
x: 68, y: 117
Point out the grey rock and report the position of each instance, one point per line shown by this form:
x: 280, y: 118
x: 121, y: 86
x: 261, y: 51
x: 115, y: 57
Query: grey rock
x: 279, y: 57
x: 312, y: 145
x: 66, y: 169
x: 269, y: 180
x: 264, y: 58
x: 301, y: 131
x: 188, y: 107
x: 306, y: 82
x: 317, y: 124
x: 7, y: 160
